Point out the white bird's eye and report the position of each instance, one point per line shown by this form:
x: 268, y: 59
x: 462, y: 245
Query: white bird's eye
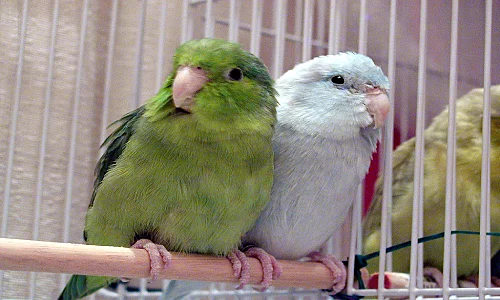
x: 235, y: 74
x: 337, y: 79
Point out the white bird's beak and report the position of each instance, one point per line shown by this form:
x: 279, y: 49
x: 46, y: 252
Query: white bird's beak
x: 188, y: 81
x: 377, y: 104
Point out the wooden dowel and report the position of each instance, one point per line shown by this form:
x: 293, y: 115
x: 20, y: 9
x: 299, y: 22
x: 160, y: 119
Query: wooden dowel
x: 36, y: 256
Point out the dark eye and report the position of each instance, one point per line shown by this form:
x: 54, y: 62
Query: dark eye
x: 337, y: 79
x: 235, y: 74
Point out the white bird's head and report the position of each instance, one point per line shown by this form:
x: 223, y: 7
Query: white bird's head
x: 337, y: 96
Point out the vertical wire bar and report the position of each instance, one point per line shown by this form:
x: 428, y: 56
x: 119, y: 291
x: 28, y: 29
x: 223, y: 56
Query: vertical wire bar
x: 185, y: 34
x: 488, y: 41
x: 422, y: 73
x: 352, y: 245
x: 362, y: 49
x: 121, y: 291
x: 363, y: 28
x: 160, y: 71
x: 386, y: 220
x: 13, y: 130
x: 320, y: 24
x: 43, y: 142
x: 451, y: 157
x: 74, y: 128
x: 332, y: 25
x: 359, y: 212
x: 279, y: 46
x: 109, y: 71
x: 340, y: 24
x: 14, y: 118
x: 484, y: 257
x: 308, y: 28
x: 158, y: 83
x: 416, y: 249
x: 256, y: 27
x: 143, y: 288
x: 234, y: 20
x: 404, y: 126
x: 136, y: 100
x: 334, y: 30
x: 164, y: 286
x: 392, y: 95
x: 298, y: 20
x: 209, y: 19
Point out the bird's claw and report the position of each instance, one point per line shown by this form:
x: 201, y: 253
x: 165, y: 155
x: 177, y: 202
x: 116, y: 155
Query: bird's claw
x: 495, y: 281
x: 433, y: 277
x: 159, y: 257
x: 271, y: 269
x: 472, y: 281
x: 335, y: 266
x: 241, y: 267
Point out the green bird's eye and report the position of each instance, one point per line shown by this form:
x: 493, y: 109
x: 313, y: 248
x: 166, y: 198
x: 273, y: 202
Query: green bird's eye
x: 337, y: 79
x: 235, y: 74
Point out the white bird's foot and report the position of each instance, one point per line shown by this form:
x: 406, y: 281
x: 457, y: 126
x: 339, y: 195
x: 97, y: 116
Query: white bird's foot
x: 335, y: 266
x: 271, y: 269
x: 433, y: 275
x: 158, y: 255
x: 241, y: 267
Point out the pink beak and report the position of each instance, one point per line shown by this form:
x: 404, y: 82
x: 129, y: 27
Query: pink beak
x: 188, y: 81
x: 377, y: 104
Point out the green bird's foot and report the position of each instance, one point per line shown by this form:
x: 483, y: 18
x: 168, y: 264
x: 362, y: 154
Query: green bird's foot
x: 271, y: 269
x: 241, y: 267
x: 335, y: 266
x: 495, y: 281
x: 158, y: 255
x: 472, y: 281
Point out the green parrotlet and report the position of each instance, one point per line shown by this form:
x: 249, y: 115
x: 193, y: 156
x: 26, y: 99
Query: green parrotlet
x: 192, y: 169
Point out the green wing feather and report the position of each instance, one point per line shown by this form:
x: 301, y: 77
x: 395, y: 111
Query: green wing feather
x: 80, y: 286
x: 116, y: 142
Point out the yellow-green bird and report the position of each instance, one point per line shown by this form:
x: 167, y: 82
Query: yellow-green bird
x: 190, y: 170
x: 469, y: 120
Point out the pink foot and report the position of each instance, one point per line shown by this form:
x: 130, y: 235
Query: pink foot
x: 241, y: 267
x: 158, y: 255
x: 335, y: 266
x: 495, y: 281
x: 473, y: 281
x: 270, y: 267
x: 435, y: 276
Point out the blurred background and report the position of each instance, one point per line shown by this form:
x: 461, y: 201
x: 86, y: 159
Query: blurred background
x: 70, y: 68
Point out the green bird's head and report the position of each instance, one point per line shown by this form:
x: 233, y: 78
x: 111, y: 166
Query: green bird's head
x: 215, y: 82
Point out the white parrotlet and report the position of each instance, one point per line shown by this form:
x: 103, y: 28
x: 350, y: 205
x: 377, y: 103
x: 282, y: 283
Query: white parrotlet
x: 329, y: 118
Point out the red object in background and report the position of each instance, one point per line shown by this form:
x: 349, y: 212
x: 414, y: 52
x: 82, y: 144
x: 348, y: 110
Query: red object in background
x: 371, y: 176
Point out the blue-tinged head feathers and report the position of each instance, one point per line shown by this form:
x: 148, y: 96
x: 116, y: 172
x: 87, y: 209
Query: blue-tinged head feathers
x: 357, y: 66
x: 326, y: 96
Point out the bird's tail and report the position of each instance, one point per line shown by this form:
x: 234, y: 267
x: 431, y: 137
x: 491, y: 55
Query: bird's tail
x: 80, y: 286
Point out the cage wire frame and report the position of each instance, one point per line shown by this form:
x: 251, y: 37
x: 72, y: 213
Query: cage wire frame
x: 318, y: 27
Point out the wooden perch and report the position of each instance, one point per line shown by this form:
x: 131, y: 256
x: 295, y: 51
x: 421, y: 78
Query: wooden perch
x: 36, y: 256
